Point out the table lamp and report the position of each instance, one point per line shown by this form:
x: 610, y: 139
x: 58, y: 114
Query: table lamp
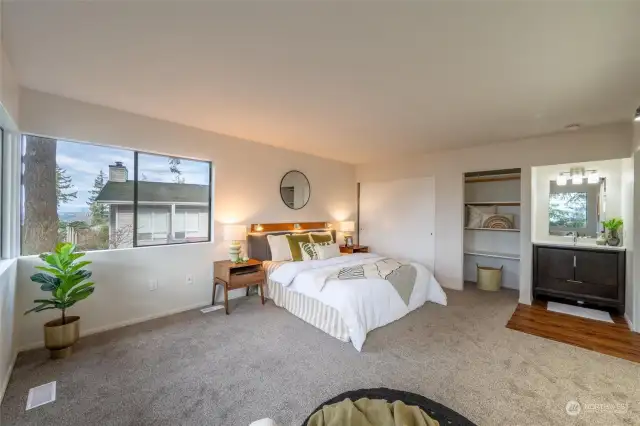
x: 235, y: 234
x: 347, y: 229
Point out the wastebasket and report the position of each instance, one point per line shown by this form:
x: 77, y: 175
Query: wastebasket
x: 489, y: 279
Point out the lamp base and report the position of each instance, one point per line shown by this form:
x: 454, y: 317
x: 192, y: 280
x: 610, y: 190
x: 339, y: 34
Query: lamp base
x: 234, y: 252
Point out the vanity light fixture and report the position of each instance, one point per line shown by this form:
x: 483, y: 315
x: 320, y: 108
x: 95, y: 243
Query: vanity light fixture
x: 593, y: 176
x: 258, y: 228
x: 561, y: 180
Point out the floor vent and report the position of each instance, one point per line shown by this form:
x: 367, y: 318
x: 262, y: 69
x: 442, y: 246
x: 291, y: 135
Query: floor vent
x: 211, y: 309
x: 41, y: 395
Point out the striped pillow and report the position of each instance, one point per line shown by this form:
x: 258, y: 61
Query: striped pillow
x: 310, y: 250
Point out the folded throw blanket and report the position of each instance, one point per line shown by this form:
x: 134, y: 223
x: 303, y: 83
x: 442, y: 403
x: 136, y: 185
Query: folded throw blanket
x: 402, y: 276
x: 371, y: 412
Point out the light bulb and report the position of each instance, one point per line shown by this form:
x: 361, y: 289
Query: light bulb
x: 593, y: 177
x: 561, y: 180
x: 576, y: 179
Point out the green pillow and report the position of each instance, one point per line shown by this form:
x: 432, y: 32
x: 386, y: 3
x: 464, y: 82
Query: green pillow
x: 321, y: 238
x: 294, y: 245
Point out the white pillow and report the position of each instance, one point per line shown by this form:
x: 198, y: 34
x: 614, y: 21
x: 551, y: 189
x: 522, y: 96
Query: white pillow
x: 279, y: 245
x: 474, y: 215
x: 328, y: 251
x: 310, y: 250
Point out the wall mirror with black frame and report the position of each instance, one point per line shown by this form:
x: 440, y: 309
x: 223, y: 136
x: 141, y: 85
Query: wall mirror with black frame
x: 295, y: 190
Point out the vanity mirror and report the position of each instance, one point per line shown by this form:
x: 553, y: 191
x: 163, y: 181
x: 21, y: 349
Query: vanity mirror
x: 295, y: 190
x: 576, y: 207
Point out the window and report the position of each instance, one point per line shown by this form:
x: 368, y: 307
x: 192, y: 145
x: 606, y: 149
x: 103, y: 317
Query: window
x: 105, y: 198
x: 568, y: 210
x: 173, y: 200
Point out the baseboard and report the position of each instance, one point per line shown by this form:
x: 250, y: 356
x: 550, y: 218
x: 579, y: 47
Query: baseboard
x: 629, y: 323
x: 95, y: 330
x: 7, y: 376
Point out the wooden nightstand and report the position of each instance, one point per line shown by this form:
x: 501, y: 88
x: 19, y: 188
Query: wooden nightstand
x: 354, y: 249
x: 232, y: 276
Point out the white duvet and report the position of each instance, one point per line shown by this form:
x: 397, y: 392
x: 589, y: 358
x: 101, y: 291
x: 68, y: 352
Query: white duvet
x: 363, y: 304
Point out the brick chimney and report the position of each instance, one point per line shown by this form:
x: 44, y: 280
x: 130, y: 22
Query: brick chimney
x: 118, y: 172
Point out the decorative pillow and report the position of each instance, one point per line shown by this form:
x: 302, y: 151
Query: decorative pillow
x: 279, y: 246
x: 327, y: 251
x: 294, y: 245
x: 324, y: 237
x: 311, y: 251
x: 474, y: 215
x: 498, y: 221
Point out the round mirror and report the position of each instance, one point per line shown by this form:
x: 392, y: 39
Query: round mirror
x: 295, y: 190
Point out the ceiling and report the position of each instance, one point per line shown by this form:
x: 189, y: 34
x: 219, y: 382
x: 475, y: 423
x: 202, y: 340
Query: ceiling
x: 355, y: 81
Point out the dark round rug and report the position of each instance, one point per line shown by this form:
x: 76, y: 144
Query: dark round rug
x: 439, y: 412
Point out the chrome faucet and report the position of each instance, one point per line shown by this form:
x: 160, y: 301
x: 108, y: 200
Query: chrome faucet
x: 575, y: 237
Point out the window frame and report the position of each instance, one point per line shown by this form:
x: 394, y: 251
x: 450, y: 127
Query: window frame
x: 134, y: 240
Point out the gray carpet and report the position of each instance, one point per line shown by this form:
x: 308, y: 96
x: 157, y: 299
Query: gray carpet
x: 194, y: 369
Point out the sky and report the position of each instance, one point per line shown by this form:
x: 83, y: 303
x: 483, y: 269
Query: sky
x: 83, y: 162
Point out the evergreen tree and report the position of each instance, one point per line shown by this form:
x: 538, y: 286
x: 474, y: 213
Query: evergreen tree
x: 99, y: 212
x: 173, y: 168
x: 64, y: 187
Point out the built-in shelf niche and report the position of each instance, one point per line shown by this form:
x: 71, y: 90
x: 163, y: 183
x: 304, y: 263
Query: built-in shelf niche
x: 490, y: 246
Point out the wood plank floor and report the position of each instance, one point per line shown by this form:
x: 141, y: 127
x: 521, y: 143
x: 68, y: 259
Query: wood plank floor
x: 606, y: 338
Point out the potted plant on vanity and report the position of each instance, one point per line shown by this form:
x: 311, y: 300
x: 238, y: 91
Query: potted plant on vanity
x: 613, y: 226
x: 67, y: 282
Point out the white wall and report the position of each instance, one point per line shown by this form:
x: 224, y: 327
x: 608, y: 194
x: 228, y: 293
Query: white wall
x: 9, y: 102
x: 9, y: 91
x: 247, y: 177
x: 627, y: 201
x: 7, y: 314
x: 589, y: 144
x: 634, y: 294
x: 609, y: 169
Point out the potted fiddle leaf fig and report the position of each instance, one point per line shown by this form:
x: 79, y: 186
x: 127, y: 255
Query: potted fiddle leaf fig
x: 68, y: 283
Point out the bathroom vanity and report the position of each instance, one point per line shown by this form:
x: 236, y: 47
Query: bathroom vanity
x: 583, y: 274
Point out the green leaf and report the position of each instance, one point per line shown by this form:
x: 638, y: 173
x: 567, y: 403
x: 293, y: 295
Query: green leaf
x: 80, y: 287
x: 39, y: 308
x: 80, y: 295
x: 53, y: 271
x: 41, y: 278
x: 73, y: 257
x: 54, y: 260
x: 79, y: 265
x: 45, y: 301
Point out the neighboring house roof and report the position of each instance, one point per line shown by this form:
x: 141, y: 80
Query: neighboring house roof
x: 122, y: 192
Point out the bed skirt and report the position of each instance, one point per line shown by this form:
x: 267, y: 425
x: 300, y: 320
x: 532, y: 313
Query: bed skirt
x: 309, y: 310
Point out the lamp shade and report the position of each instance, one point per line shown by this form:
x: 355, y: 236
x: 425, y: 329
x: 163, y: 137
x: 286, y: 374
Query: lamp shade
x: 348, y: 226
x: 235, y: 232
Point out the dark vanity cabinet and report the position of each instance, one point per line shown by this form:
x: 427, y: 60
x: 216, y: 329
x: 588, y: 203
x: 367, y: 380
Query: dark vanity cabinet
x: 581, y: 274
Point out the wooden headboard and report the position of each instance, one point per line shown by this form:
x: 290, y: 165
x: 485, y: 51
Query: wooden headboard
x: 258, y: 246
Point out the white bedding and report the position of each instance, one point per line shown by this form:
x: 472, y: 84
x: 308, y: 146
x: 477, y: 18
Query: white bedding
x: 363, y: 304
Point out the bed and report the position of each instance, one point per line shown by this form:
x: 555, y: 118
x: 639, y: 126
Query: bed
x: 346, y: 310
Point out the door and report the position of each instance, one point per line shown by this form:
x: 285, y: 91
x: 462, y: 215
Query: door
x: 397, y: 219
x: 554, y: 266
x: 597, y: 267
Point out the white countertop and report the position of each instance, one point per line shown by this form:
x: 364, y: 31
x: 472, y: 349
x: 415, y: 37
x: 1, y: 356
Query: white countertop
x: 579, y: 244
